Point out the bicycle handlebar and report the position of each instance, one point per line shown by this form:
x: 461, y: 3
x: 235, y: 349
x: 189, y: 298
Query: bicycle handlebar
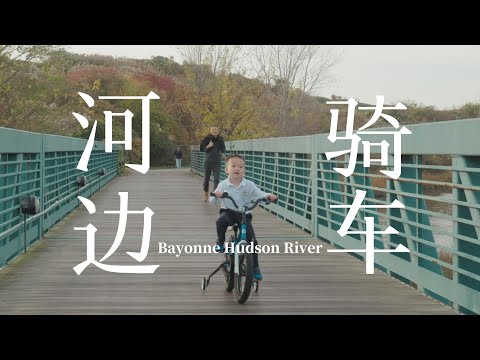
x: 255, y: 203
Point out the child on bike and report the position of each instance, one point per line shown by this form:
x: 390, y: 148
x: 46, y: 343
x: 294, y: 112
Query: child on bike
x: 242, y: 191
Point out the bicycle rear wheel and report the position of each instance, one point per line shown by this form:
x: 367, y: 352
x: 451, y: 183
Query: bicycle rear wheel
x: 244, y: 280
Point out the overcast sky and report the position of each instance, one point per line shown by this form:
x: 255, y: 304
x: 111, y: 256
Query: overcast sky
x: 440, y: 75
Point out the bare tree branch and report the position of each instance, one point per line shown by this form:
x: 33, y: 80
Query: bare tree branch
x: 284, y: 68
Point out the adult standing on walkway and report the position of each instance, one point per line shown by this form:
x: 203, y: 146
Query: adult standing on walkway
x: 178, y: 157
x: 214, y: 147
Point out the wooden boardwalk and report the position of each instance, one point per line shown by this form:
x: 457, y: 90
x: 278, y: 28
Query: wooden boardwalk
x: 43, y: 281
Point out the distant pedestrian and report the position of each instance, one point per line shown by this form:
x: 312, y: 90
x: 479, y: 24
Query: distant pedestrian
x: 178, y: 154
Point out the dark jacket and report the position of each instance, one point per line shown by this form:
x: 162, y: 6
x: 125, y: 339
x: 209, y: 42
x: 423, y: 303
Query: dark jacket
x: 178, y: 154
x: 213, y: 154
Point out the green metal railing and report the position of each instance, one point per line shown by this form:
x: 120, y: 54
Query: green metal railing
x: 439, y: 186
x: 44, y: 166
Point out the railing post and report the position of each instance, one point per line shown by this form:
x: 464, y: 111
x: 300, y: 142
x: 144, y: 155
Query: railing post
x: 457, y: 163
x: 465, y: 179
x: 42, y: 184
x: 314, y: 182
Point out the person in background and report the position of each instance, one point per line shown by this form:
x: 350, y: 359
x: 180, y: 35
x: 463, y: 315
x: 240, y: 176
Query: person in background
x: 178, y: 154
x: 214, y: 147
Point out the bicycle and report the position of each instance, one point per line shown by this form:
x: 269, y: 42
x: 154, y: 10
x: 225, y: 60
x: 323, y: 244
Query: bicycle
x: 237, y: 265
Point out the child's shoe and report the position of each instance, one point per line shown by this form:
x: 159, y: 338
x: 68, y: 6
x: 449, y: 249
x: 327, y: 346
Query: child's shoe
x: 257, y: 275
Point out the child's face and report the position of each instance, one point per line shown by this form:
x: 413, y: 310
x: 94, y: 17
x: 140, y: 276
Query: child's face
x: 235, y: 168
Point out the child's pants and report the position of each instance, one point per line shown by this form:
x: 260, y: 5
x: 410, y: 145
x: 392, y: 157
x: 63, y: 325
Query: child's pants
x: 228, y: 218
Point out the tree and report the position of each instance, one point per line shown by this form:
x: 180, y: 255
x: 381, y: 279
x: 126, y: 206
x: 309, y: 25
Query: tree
x: 234, y: 106
x: 204, y: 62
x: 469, y: 110
x: 284, y: 68
x: 30, y: 81
x: 219, y: 59
x: 216, y: 94
x: 166, y: 66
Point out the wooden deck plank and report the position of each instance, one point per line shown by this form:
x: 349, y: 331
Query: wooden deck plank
x: 43, y: 281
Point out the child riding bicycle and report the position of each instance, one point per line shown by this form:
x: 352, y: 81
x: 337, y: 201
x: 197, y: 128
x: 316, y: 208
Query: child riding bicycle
x: 242, y: 191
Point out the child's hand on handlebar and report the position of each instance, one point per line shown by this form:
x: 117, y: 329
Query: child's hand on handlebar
x: 218, y: 194
x: 272, y: 197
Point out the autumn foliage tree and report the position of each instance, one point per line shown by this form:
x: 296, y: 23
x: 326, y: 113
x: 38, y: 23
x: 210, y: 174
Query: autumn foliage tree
x: 217, y: 95
x: 29, y: 84
x: 39, y: 88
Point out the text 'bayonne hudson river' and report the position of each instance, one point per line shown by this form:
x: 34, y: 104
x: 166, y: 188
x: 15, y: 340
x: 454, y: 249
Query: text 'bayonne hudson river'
x: 288, y: 248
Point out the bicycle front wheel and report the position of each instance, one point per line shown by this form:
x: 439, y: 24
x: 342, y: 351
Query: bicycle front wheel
x: 228, y: 272
x: 244, y: 280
